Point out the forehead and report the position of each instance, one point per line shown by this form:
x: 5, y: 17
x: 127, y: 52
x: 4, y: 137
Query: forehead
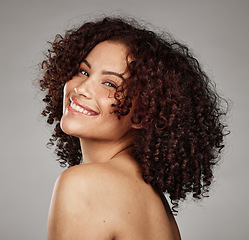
x: 108, y: 55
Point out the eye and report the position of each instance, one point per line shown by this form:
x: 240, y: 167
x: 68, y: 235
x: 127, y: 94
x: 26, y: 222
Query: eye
x: 81, y: 71
x: 109, y: 84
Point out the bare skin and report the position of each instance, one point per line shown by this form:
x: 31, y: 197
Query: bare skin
x: 106, y: 198
x: 108, y: 201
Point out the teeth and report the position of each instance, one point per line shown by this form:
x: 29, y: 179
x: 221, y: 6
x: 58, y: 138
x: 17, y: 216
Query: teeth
x: 79, y: 109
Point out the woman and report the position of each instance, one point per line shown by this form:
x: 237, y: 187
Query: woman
x: 145, y: 119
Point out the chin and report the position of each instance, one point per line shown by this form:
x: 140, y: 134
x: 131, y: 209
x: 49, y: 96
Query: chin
x: 74, y: 128
x: 67, y: 126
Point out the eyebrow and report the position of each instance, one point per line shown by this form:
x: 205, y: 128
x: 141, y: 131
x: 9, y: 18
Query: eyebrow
x: 113, y: 73
x: 87, y: 63
x: 106, y: 72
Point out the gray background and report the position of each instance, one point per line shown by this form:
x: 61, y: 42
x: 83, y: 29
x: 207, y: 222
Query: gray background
x: 218, y: 33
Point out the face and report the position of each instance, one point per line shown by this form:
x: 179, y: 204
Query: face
x: 87, y: 111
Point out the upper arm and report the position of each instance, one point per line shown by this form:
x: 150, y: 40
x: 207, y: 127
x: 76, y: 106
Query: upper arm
x: 75, y: 212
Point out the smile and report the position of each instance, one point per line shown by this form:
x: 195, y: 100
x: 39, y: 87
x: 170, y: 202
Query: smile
x: 82, y: 110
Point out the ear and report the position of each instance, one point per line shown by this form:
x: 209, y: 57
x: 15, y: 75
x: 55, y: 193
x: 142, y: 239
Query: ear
x: 137, y: 126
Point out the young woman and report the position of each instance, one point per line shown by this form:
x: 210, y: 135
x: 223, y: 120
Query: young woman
x: 142, y: 116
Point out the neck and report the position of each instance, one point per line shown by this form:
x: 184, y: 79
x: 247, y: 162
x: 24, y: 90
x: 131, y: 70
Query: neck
x: 94, y: 151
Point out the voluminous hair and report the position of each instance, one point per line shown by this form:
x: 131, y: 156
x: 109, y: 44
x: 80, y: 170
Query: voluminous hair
x: 176, y: 104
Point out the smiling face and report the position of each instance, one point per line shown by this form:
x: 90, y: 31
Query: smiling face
x: 88, y: 96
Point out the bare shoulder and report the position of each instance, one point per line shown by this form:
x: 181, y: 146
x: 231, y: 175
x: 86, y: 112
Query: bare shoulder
x: 84, y: 173
x: 80, y: 204
x: 87, y: 183
x: 90, y: 179
x: 107, y: 201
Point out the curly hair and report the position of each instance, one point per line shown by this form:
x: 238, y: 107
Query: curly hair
x: 177, y: 106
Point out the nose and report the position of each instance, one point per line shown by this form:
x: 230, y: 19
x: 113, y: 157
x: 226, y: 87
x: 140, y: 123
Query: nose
x: 84, y: 89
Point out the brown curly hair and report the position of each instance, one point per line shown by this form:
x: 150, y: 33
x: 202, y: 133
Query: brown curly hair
x: 177, y: 106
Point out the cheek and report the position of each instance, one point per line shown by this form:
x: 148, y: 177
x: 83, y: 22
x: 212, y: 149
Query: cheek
x: 68, y: 88
x: 105, y: 99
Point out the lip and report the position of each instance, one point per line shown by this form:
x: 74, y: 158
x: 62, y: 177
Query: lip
x: 93, y: 113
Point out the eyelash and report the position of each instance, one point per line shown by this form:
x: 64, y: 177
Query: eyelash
x: 83, y: 72
x: 109, y: 84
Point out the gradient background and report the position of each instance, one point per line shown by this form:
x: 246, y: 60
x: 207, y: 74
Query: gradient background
x: 217, y: 31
